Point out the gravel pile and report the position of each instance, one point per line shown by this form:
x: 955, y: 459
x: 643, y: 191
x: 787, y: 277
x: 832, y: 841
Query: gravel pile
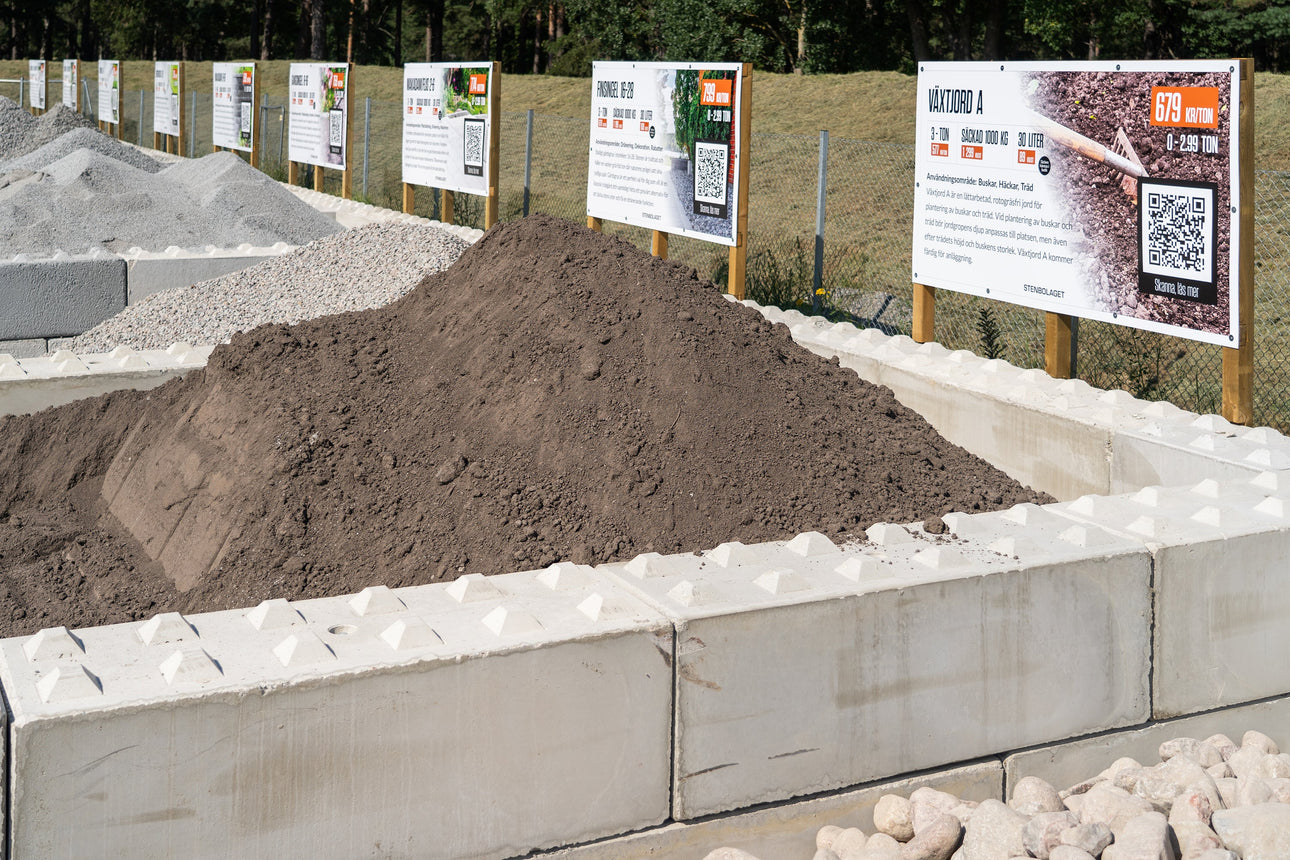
x: 360, y: 269
x: 1205, y: 800
x: 81, y: 138
x: 20, y: 132
x: 88, y: 200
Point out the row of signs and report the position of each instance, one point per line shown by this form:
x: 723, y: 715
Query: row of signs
x: 1102, y: 190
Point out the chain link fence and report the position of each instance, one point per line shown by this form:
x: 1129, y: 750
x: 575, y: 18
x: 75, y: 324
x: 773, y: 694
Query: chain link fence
x: 866, y: 271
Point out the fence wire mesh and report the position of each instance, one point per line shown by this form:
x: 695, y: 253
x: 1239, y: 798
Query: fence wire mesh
x: 866, y: 272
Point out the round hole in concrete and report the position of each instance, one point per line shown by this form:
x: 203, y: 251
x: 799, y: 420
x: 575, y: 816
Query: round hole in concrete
x: 342, y: 629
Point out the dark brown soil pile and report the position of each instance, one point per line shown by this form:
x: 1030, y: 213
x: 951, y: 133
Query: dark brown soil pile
x: 554, y: 395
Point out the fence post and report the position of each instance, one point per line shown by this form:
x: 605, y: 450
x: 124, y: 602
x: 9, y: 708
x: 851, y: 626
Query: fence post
x: 817, y: 283
x: 141, y: 92
x: 367, y: 137
x: 192, y: 122
x: 22, y: 88
x: 528, y: 161
x: 89, y: 105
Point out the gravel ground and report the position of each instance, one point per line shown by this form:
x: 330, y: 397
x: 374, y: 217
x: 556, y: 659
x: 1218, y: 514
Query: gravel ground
x: 81, y: 138
x: 360, y: 269
x: 1206, y: 799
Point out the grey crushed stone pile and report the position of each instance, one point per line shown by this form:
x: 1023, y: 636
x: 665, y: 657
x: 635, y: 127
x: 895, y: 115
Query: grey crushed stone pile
x: 356, y: 270
x: 20, y: 132
x: 87, y: 200
x: 81, y: 138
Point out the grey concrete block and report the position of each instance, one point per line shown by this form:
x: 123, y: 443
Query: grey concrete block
x: 59, y: 296
x: 29, y: 348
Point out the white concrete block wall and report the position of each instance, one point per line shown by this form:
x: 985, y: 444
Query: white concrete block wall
x: 1221, y: 590
x: 804, y: 668
x: 149, y: 272
x: 29, y: 385
x: 486, y: 718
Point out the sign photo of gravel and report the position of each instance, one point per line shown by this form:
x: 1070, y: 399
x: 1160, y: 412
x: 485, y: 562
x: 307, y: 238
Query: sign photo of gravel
x: 1102, y: 190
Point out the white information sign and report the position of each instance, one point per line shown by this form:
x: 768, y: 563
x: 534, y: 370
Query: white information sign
x: 446, y: 125
x: 109, y: 107
x: 1101, y: 190
x: 664, y: 147
x: 71, y: 81
x: 36, y: 75
x: 233, y: 105
x: 165, y: 99
x: 319, y: 112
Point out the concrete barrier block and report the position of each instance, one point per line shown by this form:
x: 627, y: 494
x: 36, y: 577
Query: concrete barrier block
x: 56, y: 297
x: 396, y: 723
x: 1070, y: 763
x: 787, y: 830
x: 26, y: 348
x: 152, y: 272
x: 1222, y: 588
x: 1174, y: 453
x: 32, y: 384
x: 805, y: 673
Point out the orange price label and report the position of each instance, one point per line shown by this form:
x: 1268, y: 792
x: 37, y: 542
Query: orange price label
x: 715, y: 93
x: 602, y: 123
x: 644, y: 126
x: 1186, y: 107
x: 941, y: 149
x: 973, y: 153
x: 478, y: 85
x: 618, y: 123
x: 1025, y: 156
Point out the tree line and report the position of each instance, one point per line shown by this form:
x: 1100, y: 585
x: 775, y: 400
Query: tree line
x: 538, y: 36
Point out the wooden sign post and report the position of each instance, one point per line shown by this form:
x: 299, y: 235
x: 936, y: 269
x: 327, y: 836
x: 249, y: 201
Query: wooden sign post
x: 924, y: 324
x: 493, y: 197
x: 1238, y: 361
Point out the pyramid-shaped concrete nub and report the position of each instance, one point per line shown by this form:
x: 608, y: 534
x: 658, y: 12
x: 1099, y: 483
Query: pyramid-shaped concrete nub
x: 1210, y: 515
x: 888, y: 534
x: 472, y: 588
x: 781, y: 582
x: 11, y: 370
x: 302, y: 649
x: 564, y: 576
x: 1085, y: 536
x: 1209, y: 488
x: 962, y: 524
x: 597, y: 608
x: 53, y: 643
x: 504, y: 621
x: 1274, y: 507
x: 179, y: 349
x: 1257, y: 435
x: 1272, y: 481
x: 376, y: 600
x: 1151, y: 497
x: 860, y: 567
x: 68, y: 682
x: 1204, y: 443
x: 646, y: 565
x: 1214, y: 424
x: 166, y: 628
x: 274, y: 615
x: 121, y: 352
x: 1088, y: 506
x: 811, y: 544
x: 688, y: 593
x: 408, y: 633
x: 735, y: 553
x: 190, y: 666
x: 130, y: 362
x: 941, y: 558
x: 1268, y: 458
x: 1148, y: 526
x: 1025, y: 514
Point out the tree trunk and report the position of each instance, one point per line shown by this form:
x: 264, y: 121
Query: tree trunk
x: 266, y: 43
x: 996, y: 18
x: 349, y: 42
x: 918, y: 31
x: 257, y: 14
x: 800, y: 64
x: 318, y: 31
x: 398, y: 33
x: 537, y: 41
x: 302, y: 33
x: 434, y: 31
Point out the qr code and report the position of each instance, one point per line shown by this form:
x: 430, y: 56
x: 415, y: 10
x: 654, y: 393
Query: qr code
x: 711, y: 166
x: 472, y: 147
x: 1178, y: 229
